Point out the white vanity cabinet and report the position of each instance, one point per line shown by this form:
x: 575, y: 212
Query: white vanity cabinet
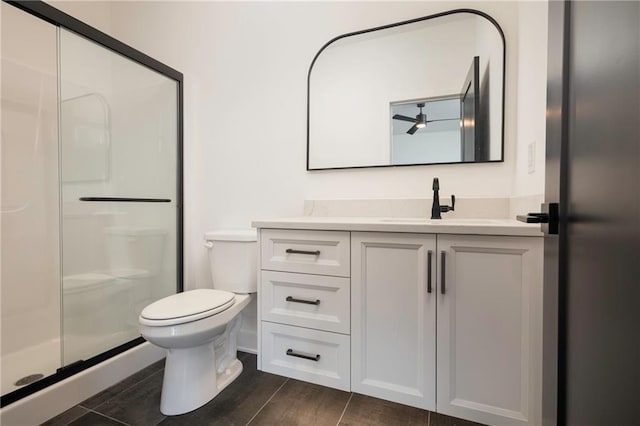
x: 466, y: 343
x: 393, y: 317
x: 489, y: 344
x: 438, y: 319
x: 304, y: 305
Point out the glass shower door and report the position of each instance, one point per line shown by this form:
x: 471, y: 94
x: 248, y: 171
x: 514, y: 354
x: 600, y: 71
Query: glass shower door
x: 118, y: 153
x: 29, y: 249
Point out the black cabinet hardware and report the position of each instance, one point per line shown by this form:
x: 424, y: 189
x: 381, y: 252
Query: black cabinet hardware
x: 442, y: 271
x: 290, y: 352
x: 126, y: 199
x: 429, y: 256
x: 313, y: 253
x: 308, y: 302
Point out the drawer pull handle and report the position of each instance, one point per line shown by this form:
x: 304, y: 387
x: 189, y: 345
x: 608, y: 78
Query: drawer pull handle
x: 308, y: 302
x: 313, y: 253
x: 443, y: 273
x: 429, y: 272
x: 290, y: 352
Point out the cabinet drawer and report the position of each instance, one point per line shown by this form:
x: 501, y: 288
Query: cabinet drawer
x: 309, y: 252
x: 311, y: 301
x: 310, y: 355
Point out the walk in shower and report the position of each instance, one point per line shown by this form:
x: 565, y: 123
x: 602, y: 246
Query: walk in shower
x: 91, y: 194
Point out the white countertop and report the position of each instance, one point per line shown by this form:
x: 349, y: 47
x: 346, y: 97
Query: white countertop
x: 415, y: 225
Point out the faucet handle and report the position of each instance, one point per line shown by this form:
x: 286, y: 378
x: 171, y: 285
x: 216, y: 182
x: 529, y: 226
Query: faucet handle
x: 444, y: 209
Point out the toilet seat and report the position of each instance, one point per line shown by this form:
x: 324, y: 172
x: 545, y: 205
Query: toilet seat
x: 186, y: 307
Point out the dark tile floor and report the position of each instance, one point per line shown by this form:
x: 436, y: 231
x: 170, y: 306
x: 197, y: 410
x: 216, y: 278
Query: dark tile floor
x: 254, y: 398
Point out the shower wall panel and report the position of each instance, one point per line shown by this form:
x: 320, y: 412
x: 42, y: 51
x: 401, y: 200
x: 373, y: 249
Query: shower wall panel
x: 29, y: 228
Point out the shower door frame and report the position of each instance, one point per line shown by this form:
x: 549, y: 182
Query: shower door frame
x: 50, y: 14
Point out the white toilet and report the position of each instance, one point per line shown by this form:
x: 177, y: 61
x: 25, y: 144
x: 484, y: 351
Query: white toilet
x: 199, y: 328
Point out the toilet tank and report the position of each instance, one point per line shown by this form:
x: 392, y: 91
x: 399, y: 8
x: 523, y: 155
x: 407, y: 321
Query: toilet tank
x: 233, y: 257
x: 133, y: 249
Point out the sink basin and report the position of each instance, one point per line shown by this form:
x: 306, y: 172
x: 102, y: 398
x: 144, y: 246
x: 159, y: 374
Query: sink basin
x: 407, y: 220
x: 443, y: 221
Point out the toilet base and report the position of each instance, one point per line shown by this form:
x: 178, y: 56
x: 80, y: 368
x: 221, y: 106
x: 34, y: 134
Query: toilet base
x: 190, y: 379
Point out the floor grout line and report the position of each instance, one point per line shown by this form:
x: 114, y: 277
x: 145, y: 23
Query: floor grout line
x: 73, y: 419
x: 345, y: 409
x: 122, y: 391
x: 108, y: 417
x: 268, y: 401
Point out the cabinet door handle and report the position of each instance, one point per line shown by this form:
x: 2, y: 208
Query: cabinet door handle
x: 290, y: 352
x: 429, y: 256
x: 313, y: 253
x: 443, y: 273
x: 308, y: 302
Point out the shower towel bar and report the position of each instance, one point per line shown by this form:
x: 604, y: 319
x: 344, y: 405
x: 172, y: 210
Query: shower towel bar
x: 126, y: 199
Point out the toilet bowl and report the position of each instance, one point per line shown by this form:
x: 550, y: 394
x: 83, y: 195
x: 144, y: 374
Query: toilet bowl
x: 199, y: 328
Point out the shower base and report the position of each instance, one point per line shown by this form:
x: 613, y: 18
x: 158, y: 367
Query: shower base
x: 54, y: 399
x: 39, y: 359
x: 45, y: 358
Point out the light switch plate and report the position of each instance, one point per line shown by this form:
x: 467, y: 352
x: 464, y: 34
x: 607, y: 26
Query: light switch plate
x: 531, y: 157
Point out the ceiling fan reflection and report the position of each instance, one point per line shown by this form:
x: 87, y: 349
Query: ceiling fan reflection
x: 420, y: 121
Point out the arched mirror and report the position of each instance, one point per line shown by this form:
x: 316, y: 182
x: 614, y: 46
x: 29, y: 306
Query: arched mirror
x: 424, y: 91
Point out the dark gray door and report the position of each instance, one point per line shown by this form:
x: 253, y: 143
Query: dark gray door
x: 469, y: 109
x: 592, y: 268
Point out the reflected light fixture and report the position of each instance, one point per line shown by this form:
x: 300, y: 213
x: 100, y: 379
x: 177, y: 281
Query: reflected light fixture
x: 420, y: 121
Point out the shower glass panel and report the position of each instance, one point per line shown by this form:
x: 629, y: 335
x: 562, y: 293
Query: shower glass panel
x: 118, y: 154
x: 30, y: 258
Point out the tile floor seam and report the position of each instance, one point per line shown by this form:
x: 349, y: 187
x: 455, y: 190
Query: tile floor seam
x: 121, y: 392
x: 345, y: 409
x: 108, y: 417
x: 73, y: 419
x: 268, y: 400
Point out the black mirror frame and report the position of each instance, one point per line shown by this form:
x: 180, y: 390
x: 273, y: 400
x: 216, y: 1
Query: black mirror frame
x: 397, y: 24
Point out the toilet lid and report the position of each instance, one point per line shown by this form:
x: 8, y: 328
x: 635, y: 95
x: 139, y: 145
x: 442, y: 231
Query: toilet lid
x: 188, y: 306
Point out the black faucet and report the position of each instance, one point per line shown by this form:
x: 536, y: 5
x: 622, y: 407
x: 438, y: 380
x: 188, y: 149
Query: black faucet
x: 436, y: 208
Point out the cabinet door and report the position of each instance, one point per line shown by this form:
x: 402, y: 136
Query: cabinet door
x: 489, y: 328
x: 393, y: 317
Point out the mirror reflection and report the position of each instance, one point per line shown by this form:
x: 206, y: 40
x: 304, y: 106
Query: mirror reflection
x: 428, y: 91
x: 426, y: 131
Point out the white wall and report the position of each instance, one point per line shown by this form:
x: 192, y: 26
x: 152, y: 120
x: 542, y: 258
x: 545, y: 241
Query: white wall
x: 245, y: 67
x: 96, y: 13
x: 532, y: 97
